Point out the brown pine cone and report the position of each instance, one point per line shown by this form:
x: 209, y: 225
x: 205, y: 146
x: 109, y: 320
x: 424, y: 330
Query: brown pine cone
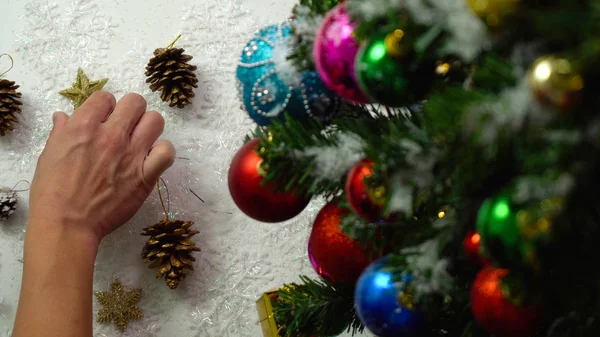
x: 10, y: 105
x: 170, y: 72
x: 169, y: 249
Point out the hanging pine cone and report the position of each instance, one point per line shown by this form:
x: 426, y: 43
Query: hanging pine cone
x: 169, y: 249
x: 8, y: 202
x: 9, y: 106
x: 170, y: 72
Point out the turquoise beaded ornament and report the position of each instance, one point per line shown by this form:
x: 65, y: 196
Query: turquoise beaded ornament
x: 267, y: 95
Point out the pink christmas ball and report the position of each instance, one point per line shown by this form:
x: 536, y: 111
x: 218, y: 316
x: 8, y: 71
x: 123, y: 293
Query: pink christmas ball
x: 335, y: 52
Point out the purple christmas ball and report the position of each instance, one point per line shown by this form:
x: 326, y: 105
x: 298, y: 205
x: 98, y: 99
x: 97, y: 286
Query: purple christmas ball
x: 335, y: 52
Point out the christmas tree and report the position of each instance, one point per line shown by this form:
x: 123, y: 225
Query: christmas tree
x: 457, y: 144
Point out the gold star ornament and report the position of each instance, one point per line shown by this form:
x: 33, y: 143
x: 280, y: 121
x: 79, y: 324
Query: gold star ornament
x: 83, y: 88
x: 119, y: 306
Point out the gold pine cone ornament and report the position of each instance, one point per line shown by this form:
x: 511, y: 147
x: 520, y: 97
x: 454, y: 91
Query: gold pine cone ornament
x: 169, y: 72
x: 170, y: 249
x: 10, y: 106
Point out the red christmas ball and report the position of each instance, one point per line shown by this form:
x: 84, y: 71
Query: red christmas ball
x: 495, y: 312
x: 259, y: 202
x: 365, y: 200
x: 333, y: 254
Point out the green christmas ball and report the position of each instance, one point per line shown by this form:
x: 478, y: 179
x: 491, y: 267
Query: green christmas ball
x: 386, y: 72
x: 500, y: 233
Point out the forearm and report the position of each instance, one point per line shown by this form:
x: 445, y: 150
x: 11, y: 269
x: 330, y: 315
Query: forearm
x: 57, y: 282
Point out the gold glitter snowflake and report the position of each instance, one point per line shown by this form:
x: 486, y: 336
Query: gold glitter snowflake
x: 120, y: 307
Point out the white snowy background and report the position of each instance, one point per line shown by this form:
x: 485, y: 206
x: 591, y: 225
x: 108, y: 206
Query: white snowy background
x: 240, y: 258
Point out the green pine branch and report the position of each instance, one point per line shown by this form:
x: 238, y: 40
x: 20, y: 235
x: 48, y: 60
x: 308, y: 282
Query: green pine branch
x: 280, y: 144
x: 316, y: 308
x: 308, y: 14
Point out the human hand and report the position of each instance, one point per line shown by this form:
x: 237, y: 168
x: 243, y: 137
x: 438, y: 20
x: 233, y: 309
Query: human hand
x: 99, y: 165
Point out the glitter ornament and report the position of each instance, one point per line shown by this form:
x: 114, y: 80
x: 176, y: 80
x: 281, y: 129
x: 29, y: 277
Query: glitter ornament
x: 382, y: 69
x: 367, y: 201
x: 555, y: 82
x: 496, y: 313
x: 332, y: 253
x: 8, y: 202
x: 270, y: 90
x: 497, y: 226
x: 335, y: 51
x: 119, y: 306
x: 512, y: 234
x: 82, y: 88
x: 378, y: 304
x: 257, y: 201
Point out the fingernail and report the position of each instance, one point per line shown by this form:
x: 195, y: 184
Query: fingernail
x: 54, y: 118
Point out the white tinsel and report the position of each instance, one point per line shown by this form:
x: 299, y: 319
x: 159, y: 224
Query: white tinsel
x: 333, y: 162
x: 429, y: 270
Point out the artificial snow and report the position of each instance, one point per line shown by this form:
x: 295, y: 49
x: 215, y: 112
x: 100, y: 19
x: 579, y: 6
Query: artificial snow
x: 468, y: 35
x: 429, y: 271
x: 333, y: 162
x: 373, y: 8
x: 284, y: 67
x: 401, y: 199
x: 510, y: 109
x: 535, y: 188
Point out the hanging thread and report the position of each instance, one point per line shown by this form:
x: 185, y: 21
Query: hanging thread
x: 173, y: 43
x: 167, y: 208
x: 12, y: 63
x: 17, y: 184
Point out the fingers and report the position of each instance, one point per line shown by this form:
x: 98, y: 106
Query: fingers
x: 95, y: 109
x: 160, y: 158
x: 59, y: 120
x: 147, y: 131
x: 127, y: 113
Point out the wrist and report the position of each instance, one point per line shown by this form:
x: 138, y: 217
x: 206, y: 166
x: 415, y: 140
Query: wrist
x: 64, y: 232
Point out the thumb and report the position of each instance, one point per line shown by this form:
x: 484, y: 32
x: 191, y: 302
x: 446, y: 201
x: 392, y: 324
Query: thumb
x: 160, y: 158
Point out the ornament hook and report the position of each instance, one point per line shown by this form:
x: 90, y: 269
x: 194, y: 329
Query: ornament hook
x: 167, y: 208
x: 12, y: 63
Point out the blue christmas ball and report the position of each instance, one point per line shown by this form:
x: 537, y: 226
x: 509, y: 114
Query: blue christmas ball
x: 269, y: 85
x: 378, y: 306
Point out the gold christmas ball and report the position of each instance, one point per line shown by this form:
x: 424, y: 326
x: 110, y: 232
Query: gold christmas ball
x: 555, y: 81
x: 494, y: 12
